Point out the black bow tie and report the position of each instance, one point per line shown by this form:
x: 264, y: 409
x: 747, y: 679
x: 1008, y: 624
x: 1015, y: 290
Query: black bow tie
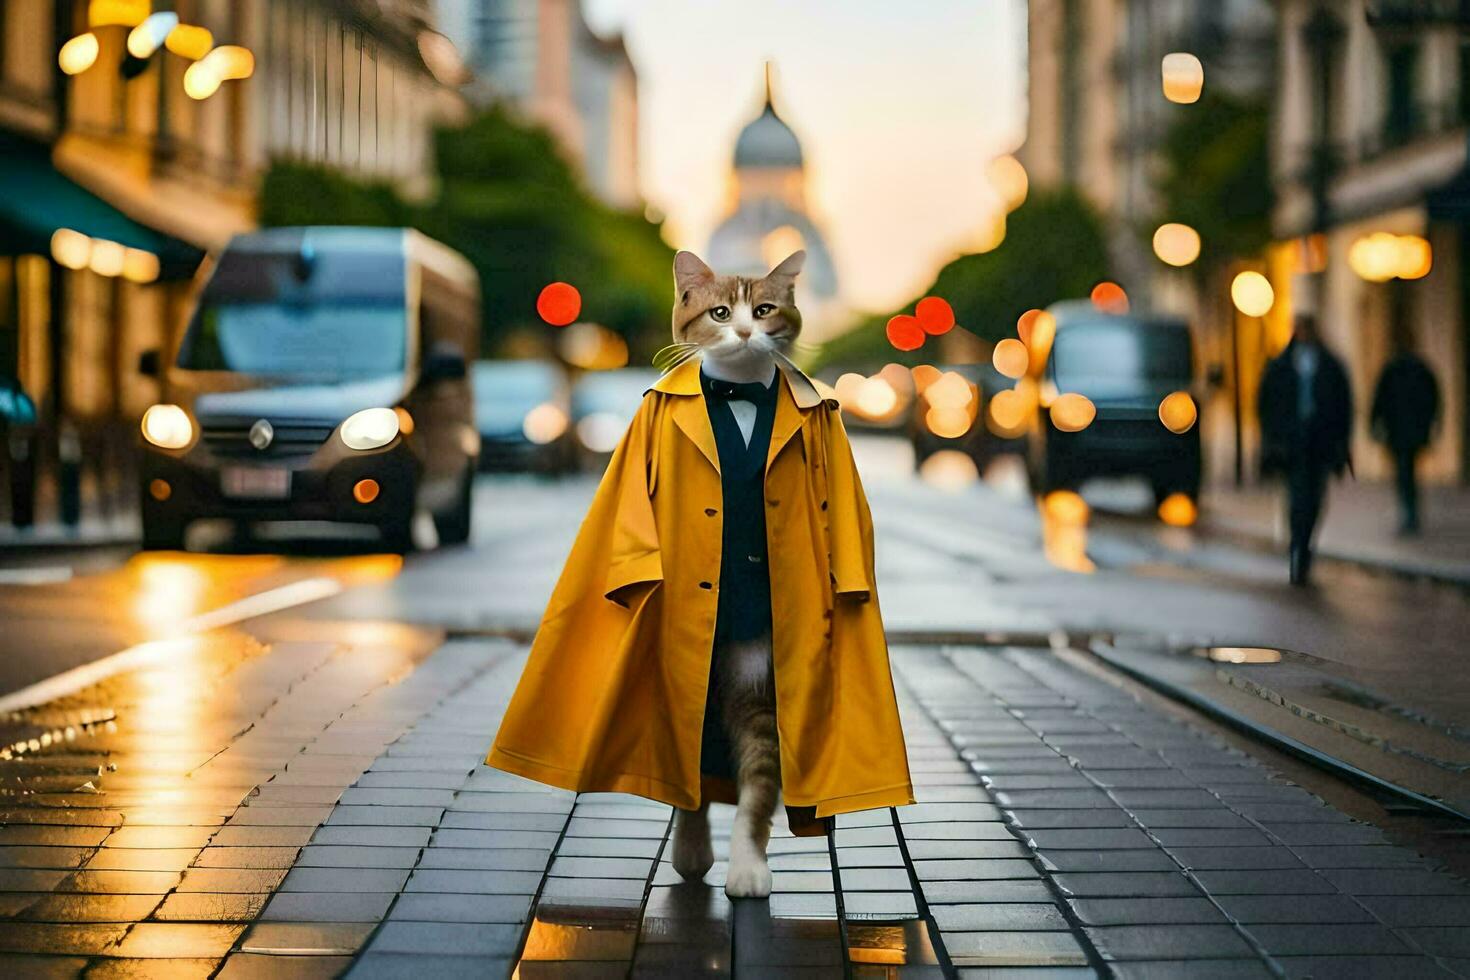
x: 750, y: 391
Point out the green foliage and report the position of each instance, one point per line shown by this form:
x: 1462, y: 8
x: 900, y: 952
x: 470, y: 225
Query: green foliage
x: 516, y: 209
x: 1054, y: 249
x: 1216, y: 176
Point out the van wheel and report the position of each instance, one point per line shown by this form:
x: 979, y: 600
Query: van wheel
x: 454, y: 527
x: 162, y: 535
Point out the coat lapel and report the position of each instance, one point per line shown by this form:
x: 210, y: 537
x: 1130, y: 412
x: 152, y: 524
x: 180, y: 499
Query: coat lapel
x: 689, y: 412
x: 798, y: 394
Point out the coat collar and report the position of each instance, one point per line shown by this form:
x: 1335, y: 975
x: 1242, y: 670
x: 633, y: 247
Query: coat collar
x: 684, y: 380
x: 692, y: 417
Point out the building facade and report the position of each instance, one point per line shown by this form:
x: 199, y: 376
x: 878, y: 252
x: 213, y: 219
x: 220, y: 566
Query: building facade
x: 541, y: 57
x: 767, y: 217
x: 1373, y: 103
x: 119, y: 171
x: 1097, y: 123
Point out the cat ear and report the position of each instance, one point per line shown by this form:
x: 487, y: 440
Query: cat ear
x: 690, y: 271
x: 789, y: 266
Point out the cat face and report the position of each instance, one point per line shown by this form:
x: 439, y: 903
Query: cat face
x: 732, y: 315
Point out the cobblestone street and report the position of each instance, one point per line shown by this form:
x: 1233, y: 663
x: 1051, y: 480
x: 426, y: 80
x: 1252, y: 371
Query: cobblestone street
x: 320, y: 809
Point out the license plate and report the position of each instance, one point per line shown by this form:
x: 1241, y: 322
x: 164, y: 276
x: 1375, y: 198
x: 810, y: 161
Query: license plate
x: 256, y: 481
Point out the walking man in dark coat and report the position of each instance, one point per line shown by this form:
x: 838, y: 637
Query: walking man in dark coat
x: 1306, y: 408
x: 1405, y: 407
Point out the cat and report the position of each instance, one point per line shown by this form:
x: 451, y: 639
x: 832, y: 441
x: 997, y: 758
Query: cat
x: 740, y: 328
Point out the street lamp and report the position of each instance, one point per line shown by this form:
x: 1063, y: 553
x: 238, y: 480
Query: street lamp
x: 1252, y: 296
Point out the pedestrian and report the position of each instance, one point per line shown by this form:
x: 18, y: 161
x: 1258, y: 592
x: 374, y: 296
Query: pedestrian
x: 1405, y: 409
x: 723, y: 575
x: 1306, y: 410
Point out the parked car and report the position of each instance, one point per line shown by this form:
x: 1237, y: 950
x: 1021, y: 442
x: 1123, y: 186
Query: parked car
x: 523, y: 412
x: 322, y: 377
x: 1126, y: 366
x: 603, y: 403
x: 977, y: 440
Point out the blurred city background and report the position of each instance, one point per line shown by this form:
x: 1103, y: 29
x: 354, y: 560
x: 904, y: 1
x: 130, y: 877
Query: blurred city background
x: 1055, y: 250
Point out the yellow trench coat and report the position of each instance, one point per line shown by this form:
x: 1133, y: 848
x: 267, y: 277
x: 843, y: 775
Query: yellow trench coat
x: 613, y: 696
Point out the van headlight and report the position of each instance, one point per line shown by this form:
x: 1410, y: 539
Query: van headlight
x: 167, y: 427
x: 371, y: 428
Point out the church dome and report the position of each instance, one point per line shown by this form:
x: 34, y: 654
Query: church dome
x: 767, y: 142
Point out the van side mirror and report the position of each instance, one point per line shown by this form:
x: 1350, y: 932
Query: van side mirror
x: 149, y: 363
x: 444, y: 362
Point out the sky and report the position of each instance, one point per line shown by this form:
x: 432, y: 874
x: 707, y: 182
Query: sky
x: 898, y: 105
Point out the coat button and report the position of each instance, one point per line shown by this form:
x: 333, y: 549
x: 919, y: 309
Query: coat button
x: 824, y: 505
x: 705, y: 585
x: 710, y: 512
x: 774, y: 503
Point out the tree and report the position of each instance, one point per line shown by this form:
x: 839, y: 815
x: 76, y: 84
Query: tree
x: 517, y: 210
x: 1216, y: 178
x: 1054, y: 249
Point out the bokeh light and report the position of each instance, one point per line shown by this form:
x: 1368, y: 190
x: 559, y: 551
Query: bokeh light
x: 545, y: 423
x: 1072, y: 412
x: 1252, y: 294
x: 904, y: 332
x: 1382, y: 256
x: 950, y: 390
x: 1183, y: 77
x: 924, y: 375
x: 201, y: 80
x: 140, y: 266
x: 946, y: 422
x: 1008, y: 177
x: 876, y: 399
x: 108, y: 258
x: 1024, y: 323
x: 1109, y: 297
x: 189, y: 41
x: 1011, y: 358
x: 71, y: 249
x: 949, y: 469
x: 1175, y: 244
x: 1178, y: 412
x: 1008, y: 412
x: 934, y: 314
x: 117, y: 13
x: 593, y: 347
x: 1178, y: 510
x: 149, y: 36
x: 559, y: 303
x: 78, y: 54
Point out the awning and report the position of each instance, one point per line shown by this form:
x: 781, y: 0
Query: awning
x: 36, y: 200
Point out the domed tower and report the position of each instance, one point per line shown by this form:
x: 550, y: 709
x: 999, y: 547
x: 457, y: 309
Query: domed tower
x: 767, y: 216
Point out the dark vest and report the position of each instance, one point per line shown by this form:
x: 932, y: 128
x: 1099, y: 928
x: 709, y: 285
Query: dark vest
x: 744, y: 608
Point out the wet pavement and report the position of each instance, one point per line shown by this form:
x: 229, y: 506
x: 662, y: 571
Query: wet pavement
x: 291, y: 786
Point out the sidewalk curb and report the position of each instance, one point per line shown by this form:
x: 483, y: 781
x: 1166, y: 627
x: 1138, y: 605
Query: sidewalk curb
x: 1405, y: 569
x: 1279, y: 740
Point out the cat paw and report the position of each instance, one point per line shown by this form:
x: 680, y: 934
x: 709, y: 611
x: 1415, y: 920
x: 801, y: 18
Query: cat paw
x: 748, y: 879
x: 693, y: 856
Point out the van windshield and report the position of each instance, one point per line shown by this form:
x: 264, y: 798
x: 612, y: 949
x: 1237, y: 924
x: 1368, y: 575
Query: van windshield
x: 345, y: 338
x: 1120, y: 359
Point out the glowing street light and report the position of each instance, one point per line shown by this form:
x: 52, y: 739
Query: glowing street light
x: 1072, y: 412
x: 1184, y: 77
x: 189, y: 41
x: 117, y: 13
x: 78, y: 54
x: 1252, y: 294
x: 71, y: 249
x: 149, y: 36
x: 1175, y: 244
x: 1011, y: 358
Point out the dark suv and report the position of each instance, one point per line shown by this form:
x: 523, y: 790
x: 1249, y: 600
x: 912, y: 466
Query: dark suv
x: 1126, y: 366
